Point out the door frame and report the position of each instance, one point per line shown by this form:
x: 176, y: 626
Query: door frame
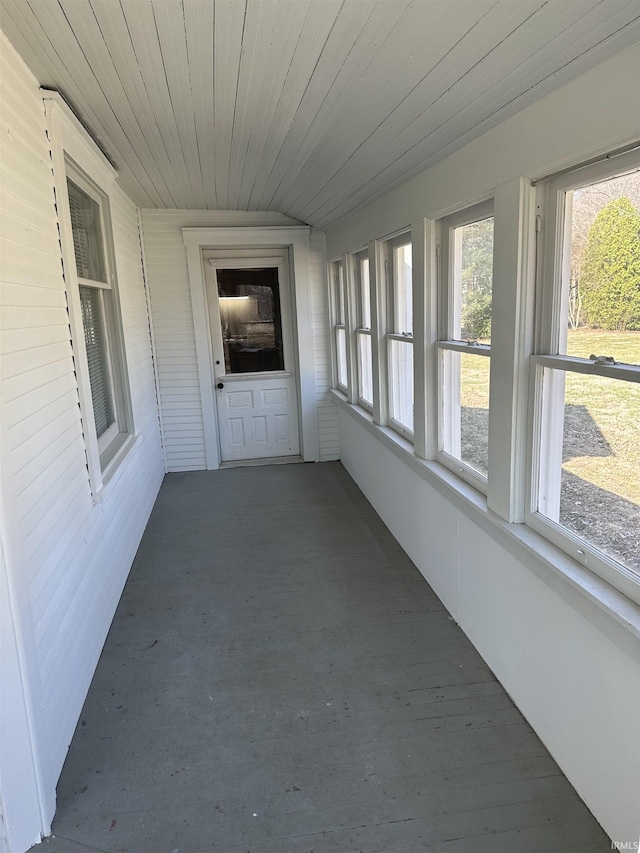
x: 243, y: 259
x: 294, y: 242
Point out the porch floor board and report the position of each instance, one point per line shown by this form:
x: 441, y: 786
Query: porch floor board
x: 279, y: 678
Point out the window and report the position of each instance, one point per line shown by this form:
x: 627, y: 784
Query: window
x: 586, y: 446
x: 363, y: 330
x: 400, y: 334
x: 464, y: 345
x: 88, y: 215
x: 249, y: 301
x: 339, y: 325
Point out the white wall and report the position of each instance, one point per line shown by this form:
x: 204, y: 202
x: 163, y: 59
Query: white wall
x: 175, y: 345
x: 572, y: 668
x: 69, y: 557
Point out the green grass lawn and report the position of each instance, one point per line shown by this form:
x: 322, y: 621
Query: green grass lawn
x: 601, y: 441
x: 612, y: 407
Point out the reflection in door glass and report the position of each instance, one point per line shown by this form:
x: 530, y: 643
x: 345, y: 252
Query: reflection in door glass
x: 250, y: 320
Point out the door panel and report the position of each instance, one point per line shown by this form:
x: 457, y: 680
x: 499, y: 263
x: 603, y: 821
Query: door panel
x: 257, y: 422
x: 254, y: 367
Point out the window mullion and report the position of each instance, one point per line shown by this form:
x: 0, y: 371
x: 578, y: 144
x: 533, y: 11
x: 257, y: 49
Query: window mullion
x: 378, y: 283
x: 350, y: 321
x: 511, y: 345
x: 421, y: 403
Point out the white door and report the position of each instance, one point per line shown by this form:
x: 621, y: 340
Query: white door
x: 250, y: 319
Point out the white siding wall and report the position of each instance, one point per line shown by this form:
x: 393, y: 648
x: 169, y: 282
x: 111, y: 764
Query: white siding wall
x: 328, y: 434
x: 71, y: 557
x: 168, y: 279
x: 572, y: 668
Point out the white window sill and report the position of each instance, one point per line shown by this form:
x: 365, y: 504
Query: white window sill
x: 597, y: 600
x: 111, y: 473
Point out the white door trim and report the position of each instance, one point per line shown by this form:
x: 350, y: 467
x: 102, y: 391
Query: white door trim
x: 295, y: 239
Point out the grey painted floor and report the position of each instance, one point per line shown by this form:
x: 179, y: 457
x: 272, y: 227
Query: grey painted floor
x: 279, y: 677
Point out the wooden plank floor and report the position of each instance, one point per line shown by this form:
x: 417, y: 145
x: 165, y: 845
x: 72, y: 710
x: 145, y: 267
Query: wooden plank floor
x: 279, y: 677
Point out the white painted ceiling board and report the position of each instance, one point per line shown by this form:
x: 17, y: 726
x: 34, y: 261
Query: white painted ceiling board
x: 37, y: 40
x: 109, y: 68
x: 449, y: 61
x: 374, y: 86
x: 446, y: 138
x: 117, y: 42
x: 335, y: 57
x: 310, y: 107
x: 466, y: 84
x: 309, y: 42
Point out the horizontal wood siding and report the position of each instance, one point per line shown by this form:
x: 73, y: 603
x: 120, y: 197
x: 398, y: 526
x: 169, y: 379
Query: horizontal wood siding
x: 168, y: 279
x: 73, y: 554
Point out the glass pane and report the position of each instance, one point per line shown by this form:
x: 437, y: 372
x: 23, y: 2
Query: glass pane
x: 87, y: 234
x: 602, y: 294
x: 474, y: 411
x: 466, y: 409
x: 473, y: 281
x: 364, y: 368
x: 94, y: 338
x: 341, y: 346
x: 401, y: 382
x: 590, y: 480
x: 365, y: 295
x: 250, y: 319
x: 338, y: 283
x: 402, y: 297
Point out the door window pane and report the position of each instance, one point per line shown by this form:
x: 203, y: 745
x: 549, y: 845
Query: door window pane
x: 590, y: 461
x: 250, y: 319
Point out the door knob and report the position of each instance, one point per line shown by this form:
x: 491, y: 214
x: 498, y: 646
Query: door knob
x: 220, y: 385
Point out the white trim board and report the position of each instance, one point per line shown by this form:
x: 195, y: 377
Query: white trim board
x: 295, y: 240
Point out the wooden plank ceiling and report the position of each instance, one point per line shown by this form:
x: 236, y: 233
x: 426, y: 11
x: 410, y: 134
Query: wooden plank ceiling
x: 309, y: 107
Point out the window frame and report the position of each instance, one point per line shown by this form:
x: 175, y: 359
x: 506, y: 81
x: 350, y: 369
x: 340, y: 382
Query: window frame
x: 448, y: 385
x: 113, y: 436
x: 338, y: 312
x: 75, y: 157
x: 390, y: 245
x: 545, y: 401
x: 361, y: 328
